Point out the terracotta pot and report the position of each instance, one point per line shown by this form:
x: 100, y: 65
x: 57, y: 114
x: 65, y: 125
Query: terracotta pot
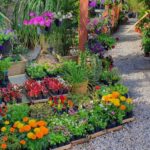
x: 80, y: 88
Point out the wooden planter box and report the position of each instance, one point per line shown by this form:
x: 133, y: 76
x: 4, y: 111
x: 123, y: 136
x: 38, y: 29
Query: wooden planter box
x: 66, y: 147
x: 17, y: 67
x: 80, y: 141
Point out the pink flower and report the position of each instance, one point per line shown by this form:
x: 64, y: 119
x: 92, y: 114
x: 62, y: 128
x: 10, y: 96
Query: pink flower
x: 25, y: 22
x: 32, y: 14
x: 95, y: 21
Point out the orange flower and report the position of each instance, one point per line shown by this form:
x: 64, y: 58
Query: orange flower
x: 22, y: 142
x: 25, y: 119
x: 32, y: 123
x: 21, y: 130
x: 39, y: 135
x: 3, y: 146
x: 123, y: 107
x: 12, y: 130
x: 115, y: 94
x: 33, y: 137
x: 5, y: 138
x: 70, y: 103
x: 44, y: 130
x: 27, y: 128
x: 41, y: 123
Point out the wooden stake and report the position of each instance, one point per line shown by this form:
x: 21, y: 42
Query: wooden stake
x: 83, y: 35
x: 138, y: 22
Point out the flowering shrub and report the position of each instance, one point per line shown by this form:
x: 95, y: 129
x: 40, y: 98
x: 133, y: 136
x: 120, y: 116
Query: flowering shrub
x: 43, y: 20
x: 28, y: 133
x: 11, y: 93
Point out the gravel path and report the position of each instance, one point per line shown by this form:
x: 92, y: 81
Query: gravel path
x: 135, y: 70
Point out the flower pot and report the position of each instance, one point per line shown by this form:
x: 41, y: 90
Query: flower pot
x: 80, y: 88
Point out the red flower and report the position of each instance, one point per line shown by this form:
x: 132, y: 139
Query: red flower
x: 97, y: 87
x: 63, y: 98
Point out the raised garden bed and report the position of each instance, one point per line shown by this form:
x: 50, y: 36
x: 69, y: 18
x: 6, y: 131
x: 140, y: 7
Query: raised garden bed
x: 18, y: 67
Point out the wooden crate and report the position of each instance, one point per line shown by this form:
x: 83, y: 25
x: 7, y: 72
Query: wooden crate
x: 17, y: 67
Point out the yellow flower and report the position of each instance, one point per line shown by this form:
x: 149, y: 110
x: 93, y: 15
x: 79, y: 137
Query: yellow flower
x: 36, y: 130
x: 16, y: 123
x: 6, y: 122
x: 123, y: 98
x: 3, y: 129
x: 115, y: 94
x: 30, y: 135
x: 129, y: 101
x: 20, y: 125
x: 116, y: 102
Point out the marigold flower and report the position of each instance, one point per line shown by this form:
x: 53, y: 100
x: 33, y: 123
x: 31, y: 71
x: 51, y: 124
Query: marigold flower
x: 123, y: 107
x: 12, y: 130
x: 37, y: 130
x: 116, y: 102
x: 41, y: 123
x: 27, y: 128
x: 3, y: 146
x: 3, y: 129
x: 25, y: 119
x: 39, y: 135
x: 22, y: 142
x: 129, y: 100
x: 21, y: 130
x: 32, y: 123
x: 123, y: 98
x: 5, y: 138
x: 6, y: 122
x: 115, y: 94
x: 29, y: 135
x: 19, y: 125
x: 44, y: 130
x: 33, y: 137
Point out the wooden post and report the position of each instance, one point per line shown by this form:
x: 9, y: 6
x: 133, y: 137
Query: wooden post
x: 83, y: 35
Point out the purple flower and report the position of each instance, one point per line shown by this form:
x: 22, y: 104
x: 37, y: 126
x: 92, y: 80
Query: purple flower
x: 102, y: 1
x: 93, y: 4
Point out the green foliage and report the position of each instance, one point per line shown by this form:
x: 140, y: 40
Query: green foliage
x: 4, y: 37
x: 146, y: 40
x: 5, y: 64
x: 17, y: 112
x: 74, y: 73
x: 110, y: 76
x: 120, y: 88
x: 107, y: 39
x: 36, y: 71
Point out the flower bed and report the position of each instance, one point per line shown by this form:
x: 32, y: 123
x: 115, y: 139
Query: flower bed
x: 59, y: 129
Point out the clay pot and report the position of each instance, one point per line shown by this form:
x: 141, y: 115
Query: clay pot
x: 80, y: 88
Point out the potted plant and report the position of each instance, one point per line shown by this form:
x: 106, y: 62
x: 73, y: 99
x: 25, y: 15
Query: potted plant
x: 36, y: 71
x: 5, y: 64
x: 76, y: 76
